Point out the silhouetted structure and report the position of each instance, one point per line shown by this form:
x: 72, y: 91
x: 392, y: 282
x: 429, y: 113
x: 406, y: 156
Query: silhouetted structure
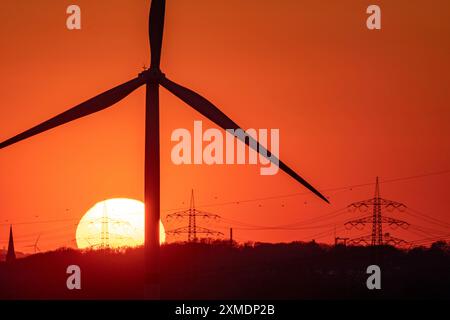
x: 340, y: 240
x: 152, y: 79
x: 104, y: 237
x: 11, y: 255
x: 35, y: 245
x: 216, y: 270
x: 192, y: 230
x: 377, y: 220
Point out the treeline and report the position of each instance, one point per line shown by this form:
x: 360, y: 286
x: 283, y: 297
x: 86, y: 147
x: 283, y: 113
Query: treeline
x: 220, y: 270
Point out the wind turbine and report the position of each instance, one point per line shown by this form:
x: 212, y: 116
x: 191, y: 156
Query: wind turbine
x: 152, y: 79
x: 35, y: 246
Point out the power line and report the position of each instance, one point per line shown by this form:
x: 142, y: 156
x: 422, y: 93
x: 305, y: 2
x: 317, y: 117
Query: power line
x: 37, y: 222
x: 428, y: 218
x: 290, y: 226
x: 261, y: 198
x: 431, y: 239
x: 298, y: 225
x: 235, y: 202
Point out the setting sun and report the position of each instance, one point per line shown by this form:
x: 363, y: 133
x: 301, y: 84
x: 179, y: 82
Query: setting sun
x: 113, y: 223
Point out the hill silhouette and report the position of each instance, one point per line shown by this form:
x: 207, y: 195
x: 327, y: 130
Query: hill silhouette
x: 4, y: 251
x: 217, y: 270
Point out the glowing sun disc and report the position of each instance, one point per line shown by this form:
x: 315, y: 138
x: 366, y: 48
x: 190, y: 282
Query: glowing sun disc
x: 114, y: 223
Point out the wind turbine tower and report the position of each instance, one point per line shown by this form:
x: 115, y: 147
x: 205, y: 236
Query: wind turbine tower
x: 153, y: 78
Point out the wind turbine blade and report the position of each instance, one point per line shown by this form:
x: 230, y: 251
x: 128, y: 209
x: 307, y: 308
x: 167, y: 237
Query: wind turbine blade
x: 156, y: 28
x: 98, y: 103
x: 213, y: 113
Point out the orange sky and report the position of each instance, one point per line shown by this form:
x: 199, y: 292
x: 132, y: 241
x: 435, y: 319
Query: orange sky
x: 350, y: 104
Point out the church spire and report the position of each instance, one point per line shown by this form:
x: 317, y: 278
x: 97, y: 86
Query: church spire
x: 11, y: 255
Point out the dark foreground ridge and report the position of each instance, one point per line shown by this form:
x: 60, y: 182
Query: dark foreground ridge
x: 218, y: 270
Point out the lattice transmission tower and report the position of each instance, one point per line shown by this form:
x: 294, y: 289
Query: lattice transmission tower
x: 106, y: 224
x: 192, y: 229
x: 377, y: 219
x: 105, y: 228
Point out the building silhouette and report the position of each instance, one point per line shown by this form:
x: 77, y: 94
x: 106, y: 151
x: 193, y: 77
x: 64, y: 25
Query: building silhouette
x: 11, y: 254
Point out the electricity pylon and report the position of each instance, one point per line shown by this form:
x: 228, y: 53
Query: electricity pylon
x: 105, y: 228
x: 105, y: 235
x: 377, y: 219
x: 192, y: 230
